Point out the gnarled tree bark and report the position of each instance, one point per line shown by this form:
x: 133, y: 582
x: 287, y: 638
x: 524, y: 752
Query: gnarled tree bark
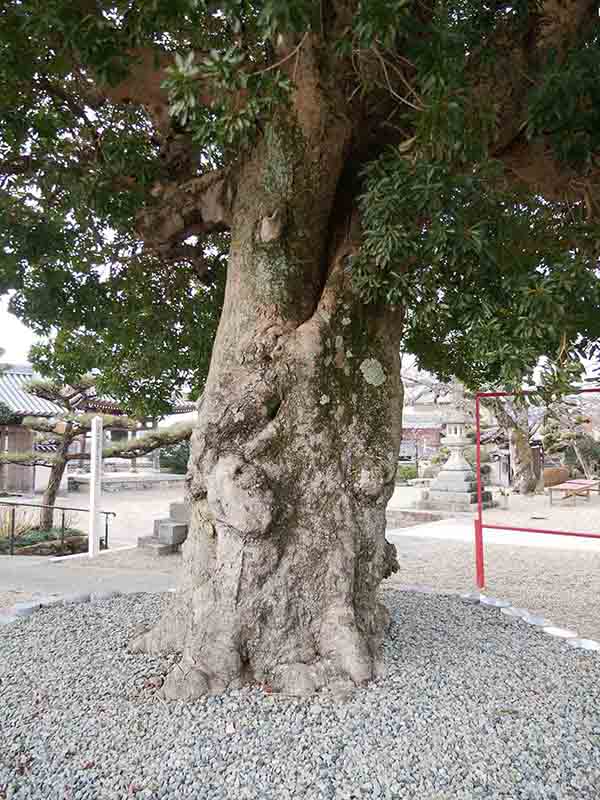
x: 294, y: 455
x: 515, y: 421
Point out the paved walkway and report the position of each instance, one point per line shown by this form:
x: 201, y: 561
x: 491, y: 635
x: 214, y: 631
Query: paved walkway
x: 135, y: 511
x: 24, y: 577
x: 556, y: 576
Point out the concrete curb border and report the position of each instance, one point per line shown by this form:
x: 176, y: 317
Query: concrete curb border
x: 571, y: 638
x: 29, y: 607
x: 26, y: 609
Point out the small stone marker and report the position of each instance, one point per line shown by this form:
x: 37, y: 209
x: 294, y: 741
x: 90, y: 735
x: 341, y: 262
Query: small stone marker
x: 494, y: 602
x: 99, y: 596
x: 50, y: 602
x: 583, y: 644
x: 471, y: 597
x: 76, y: 597
x: 560, y: 633
x: 540, y: 622
x: 514, y: 612
x: 25, y: 609
x: 95, y: 487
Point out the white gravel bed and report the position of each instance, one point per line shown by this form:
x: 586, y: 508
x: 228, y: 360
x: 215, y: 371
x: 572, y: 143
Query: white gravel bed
x: 474, y: 704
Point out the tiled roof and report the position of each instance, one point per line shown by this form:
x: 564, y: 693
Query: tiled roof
x: 13, y: 393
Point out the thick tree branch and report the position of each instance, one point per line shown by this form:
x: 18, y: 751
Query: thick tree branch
x: 554, y: 30
x: 181, y: 210
x: 28, y: 459
x: 142, y: 446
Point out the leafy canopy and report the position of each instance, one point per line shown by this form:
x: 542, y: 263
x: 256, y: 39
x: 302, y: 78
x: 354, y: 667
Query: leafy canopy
x: 494, y: 272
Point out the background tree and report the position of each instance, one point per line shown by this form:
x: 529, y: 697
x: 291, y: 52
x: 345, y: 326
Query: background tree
x: 148, y: 341
x: 520, y: 421
x: 567, y: 432
x: 416, y: 170
x: 176, y: 458
x: 63, y: 432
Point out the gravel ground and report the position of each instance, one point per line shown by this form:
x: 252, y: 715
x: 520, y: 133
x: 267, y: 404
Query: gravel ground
x: 473, y: 705
x: 563, y: 585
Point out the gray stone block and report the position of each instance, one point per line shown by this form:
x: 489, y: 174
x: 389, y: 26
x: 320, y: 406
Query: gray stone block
x: 50, y: 602
x: 98, y: 597
x: 157, y: 523
x: 142, y: 541
x: 6, y: 619
x: 157, y: 548
x: 25, y: 609
x: 76, y: 597
x: 173, y: 533
x: 180, y: 512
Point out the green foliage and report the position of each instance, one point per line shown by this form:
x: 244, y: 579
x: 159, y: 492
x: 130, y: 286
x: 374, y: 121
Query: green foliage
x: 406, y: 472
x: 492, y: 279
x: 35, y: 536
x: 589, y: 449
x: 441, y: 456
x: 565, y: 106
x: 149, y: 331
x: 175, y: 458
x: 30, y: 459
x: 7, y: 417
x: 228, y: 124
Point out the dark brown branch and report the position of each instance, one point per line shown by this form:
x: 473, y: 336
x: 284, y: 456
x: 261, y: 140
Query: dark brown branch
x: 194, y: 208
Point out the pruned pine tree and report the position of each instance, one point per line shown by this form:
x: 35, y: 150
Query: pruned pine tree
x: 568, y: 429
x: 414, y: 172
x: 64, y: 431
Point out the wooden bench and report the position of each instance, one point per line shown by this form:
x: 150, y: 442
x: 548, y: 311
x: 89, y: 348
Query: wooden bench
x: 575, y: 488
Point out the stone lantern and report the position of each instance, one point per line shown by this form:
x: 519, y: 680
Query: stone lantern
x: 455, y: 488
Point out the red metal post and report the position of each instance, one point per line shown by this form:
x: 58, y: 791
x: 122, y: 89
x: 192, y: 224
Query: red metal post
x: 479, y: 560
x: 479, y: 557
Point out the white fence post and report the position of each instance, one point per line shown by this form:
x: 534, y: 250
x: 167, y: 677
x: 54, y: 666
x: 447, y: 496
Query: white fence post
x: 95, y: 487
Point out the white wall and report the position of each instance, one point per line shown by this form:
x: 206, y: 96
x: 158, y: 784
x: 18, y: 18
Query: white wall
x: 41, y: 480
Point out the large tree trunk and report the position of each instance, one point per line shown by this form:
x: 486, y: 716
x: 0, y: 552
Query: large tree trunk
x: 294, y: 456
x: 521, y: 459
x: 583, y: 462
x: 56, y: 475
x: 515, y: 421
x: 49, y: 498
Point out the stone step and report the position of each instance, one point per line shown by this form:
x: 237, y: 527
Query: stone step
x: 144, y: 540
x: 180, y: 512
x: 173, y: 533
x: 157, y: 523
x: 157, y: 548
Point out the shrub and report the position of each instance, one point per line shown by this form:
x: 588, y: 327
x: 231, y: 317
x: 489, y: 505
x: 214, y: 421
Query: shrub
x: 175, y: 458
x: 406, y: 472
x: 441, y: 456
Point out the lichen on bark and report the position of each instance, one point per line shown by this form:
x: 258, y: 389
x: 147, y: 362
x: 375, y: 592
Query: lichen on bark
x: 294, y: 454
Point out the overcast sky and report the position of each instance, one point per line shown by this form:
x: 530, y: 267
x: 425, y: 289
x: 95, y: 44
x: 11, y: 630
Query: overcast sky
x: 15, y: 338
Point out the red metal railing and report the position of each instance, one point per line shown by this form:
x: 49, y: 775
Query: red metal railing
x: 478, y: 522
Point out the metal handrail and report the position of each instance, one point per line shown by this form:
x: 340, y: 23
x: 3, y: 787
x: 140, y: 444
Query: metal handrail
x: 14, y: 506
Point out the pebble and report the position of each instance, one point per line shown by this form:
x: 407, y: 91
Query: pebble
x: 452, y: 719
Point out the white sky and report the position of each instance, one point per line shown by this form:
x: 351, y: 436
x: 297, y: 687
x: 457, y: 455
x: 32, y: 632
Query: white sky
x: 15, y: 338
